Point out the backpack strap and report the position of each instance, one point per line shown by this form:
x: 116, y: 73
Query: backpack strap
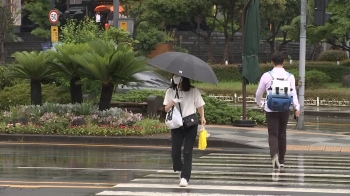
x: 270, y: 72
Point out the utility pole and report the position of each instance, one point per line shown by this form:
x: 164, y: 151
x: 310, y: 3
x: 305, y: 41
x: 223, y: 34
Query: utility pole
x: 115, y: 13
x: 302, y: 55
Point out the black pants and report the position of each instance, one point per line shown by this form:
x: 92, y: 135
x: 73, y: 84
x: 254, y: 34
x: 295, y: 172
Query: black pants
x: 178, y: 136
x: 277, y: 126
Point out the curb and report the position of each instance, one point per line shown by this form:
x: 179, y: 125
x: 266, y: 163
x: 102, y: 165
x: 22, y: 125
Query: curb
x: 319, y: 113
x: 127, y: 141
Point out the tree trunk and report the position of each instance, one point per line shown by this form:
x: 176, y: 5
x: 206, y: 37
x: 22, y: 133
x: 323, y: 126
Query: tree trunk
x: 225, y: 55
x: 106, y: 96
x: 35, y: 92
x: 272, y: 46
x: 210, y: 52
x: 2, y: 49
x: 76, y: 92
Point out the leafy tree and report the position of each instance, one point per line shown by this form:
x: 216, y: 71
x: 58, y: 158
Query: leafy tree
x: 87, y: 30
x: 84, y: 31
x: 279, y: 18
x: 8, y: 15
x: 67, y: 68
x: 39, y: 11
x: 34, y: 66
x: 111, y: 65
x: 229, y: 22
x: 336, y: 30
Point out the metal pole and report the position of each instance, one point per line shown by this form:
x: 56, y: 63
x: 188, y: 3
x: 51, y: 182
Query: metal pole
x: 115, y: 13
x: 302, y: 54
x: 198, y: 31
x: 52, y: 4
x: 244, y: 84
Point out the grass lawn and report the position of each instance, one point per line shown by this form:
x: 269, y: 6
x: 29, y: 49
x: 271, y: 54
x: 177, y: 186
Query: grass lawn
x: 329, y: 91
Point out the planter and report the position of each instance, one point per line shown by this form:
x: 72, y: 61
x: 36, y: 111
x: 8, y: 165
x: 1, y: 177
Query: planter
x: 159, y: 49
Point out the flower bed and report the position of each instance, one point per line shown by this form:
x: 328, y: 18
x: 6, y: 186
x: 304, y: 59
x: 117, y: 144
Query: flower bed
x: 77, y: 119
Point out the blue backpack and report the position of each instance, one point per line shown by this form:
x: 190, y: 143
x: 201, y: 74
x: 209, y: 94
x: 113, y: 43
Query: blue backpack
x: 279, y: 96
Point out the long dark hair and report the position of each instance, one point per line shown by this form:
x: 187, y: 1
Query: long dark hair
x: 185, y: 84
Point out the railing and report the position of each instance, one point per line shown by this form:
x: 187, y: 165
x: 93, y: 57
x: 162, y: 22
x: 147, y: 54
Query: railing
x: 307, y: 102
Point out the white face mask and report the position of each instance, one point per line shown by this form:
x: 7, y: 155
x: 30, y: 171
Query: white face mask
x: 176, y: 79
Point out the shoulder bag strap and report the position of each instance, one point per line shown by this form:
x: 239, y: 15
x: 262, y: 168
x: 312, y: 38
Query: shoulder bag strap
x: 177, y: 94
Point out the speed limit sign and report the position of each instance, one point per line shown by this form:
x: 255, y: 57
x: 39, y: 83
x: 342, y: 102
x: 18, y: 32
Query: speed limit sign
x: 53, y: 16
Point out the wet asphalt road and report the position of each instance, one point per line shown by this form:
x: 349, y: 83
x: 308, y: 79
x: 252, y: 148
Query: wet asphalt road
x: 35, y: 170
x: 73, y: 170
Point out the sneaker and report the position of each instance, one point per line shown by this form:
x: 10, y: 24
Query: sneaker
x: 275, y: 162
x: 183, y: 182
x: 282, y: 166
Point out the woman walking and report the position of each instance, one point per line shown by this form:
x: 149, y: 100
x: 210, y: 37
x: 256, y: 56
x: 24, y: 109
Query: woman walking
x: 187, y: 99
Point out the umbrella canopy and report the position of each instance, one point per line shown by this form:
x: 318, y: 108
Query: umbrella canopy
x: 185, y: 65
x: 101, y: 8
x: 121, y: 9
x: 251, y: 69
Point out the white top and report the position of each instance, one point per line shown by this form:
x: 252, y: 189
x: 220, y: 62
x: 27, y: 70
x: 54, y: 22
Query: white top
x: 98, y: 18
x: 265, y: 83
x: 190, y: 100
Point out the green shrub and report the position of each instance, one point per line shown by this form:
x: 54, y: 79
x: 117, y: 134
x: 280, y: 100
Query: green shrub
x: 180, y: 49
x: 345, y: 63
x: 149, y: 37
x: 5, y: 81
x: 19, y: 94
x: 216, y: 111
x: 228, y: 73
x: 316, y: 79
x: 137, y: 96
x: 333, y: 55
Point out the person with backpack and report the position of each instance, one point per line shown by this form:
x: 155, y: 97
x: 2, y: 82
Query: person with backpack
x: 281, y: 93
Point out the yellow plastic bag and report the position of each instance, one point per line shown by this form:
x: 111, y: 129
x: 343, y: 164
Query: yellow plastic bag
x: 202, y: 139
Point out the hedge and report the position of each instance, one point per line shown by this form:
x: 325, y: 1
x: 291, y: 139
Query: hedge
x: 227, y: 73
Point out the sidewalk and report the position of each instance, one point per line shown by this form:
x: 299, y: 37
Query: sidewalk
x: 296, y: 140
x: 316, y: 111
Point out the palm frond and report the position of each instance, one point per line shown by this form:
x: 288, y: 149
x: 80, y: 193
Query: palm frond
x: 30, y: 65
x: 110, y: 63
x: 63, y: 63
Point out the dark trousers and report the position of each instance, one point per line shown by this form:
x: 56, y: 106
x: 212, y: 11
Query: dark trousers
x: 178, y: 136
x: 277, y: 126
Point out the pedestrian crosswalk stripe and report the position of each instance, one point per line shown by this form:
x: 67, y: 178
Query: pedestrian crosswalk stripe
x: 295, y: 169
x: 224, y: 173
x: 260, y: 173
x: 233, y: 188
x: 130, y: 193
x: 262, y: 177
x: 290, y: 159
x: 224, y: 155
x: 268, y: 166
x: 268, y: 182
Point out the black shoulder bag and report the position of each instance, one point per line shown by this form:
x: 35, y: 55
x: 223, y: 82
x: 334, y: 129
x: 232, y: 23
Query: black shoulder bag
x: 190, y: 120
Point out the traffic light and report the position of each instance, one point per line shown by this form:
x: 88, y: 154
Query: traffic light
x: 320, y: 14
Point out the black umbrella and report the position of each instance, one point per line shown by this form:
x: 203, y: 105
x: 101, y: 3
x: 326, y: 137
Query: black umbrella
x: 185, y: 65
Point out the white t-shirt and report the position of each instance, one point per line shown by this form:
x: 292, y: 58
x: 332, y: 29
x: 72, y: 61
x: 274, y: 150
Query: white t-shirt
x: 190, y: 100
x: 98, y: 18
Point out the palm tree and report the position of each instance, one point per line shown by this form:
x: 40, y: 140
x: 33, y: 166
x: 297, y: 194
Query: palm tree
x: 111, y: 65
x: 68, y: 68
x: 33, y: 66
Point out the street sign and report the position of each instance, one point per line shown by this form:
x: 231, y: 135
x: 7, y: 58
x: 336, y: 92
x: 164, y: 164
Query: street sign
x: 53, y: 16
x: 54, y: 33
x: 124, y: 25
x: 127, y: 24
